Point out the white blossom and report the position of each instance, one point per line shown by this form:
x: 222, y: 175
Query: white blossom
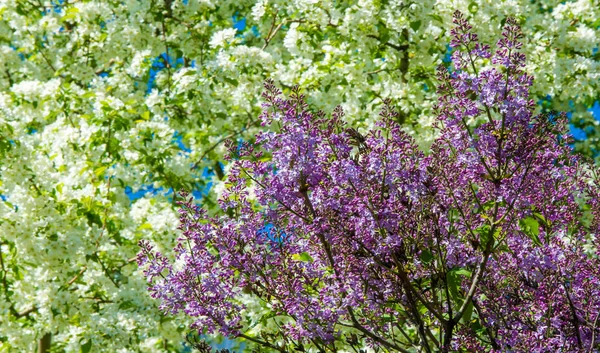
x: 222, y: 38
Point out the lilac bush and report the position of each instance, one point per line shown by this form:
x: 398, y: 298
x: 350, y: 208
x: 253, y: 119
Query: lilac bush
x: 333, y: 240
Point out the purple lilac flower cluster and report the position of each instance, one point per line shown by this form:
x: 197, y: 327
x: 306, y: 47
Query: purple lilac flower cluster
x: 360, y: 240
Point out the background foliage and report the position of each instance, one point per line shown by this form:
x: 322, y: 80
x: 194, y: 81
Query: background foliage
x: 108, y: 106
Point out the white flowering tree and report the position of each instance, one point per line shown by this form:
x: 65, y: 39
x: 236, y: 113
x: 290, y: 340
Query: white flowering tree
x: 108, y: 106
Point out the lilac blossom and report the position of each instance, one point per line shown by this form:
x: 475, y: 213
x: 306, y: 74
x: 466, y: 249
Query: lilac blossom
x: 362, y: 240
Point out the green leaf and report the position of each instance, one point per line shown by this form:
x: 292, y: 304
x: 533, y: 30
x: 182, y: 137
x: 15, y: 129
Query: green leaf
x: 212, y: 250
x: 462, y: 272
x: 531, y: 227
x: 484, y: 234
x: 415, y: 25
x: 86, y: 347
x: 384, y: 33
x: 453, y: 280
x: 99, y: 171
x: 145, y: 226
x: 70, y: 14
x: 437, y: 18
x: 126, y: 305
x: 68, y: 17
x: 304, y: 257
x: 543, y: 220
x: 466, y: 318
x: 426, y: 256
x: 231, y: 81
x: 453, y: 286
x: 486, y: 206
x: 18, y: 275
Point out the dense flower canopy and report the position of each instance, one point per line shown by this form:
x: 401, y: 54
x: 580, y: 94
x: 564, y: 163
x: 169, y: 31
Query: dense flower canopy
x: 331, y: 238
x: 107, y: 106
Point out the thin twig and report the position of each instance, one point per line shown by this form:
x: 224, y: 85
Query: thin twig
x: 72, y: 280
x: 377, y: 71
x: 273, y: 33
x: 221, y: 140
x: 594, y: 327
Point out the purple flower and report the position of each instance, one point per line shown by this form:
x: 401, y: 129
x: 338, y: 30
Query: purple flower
x: 359, y: 239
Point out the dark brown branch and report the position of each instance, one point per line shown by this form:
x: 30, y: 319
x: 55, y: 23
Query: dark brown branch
x: 45, y: 343
x: 24, y: 313
x: 401, y: 48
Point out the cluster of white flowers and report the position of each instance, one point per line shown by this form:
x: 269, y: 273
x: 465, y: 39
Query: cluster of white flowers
x: 222, y: 38
x: 107, y: 107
